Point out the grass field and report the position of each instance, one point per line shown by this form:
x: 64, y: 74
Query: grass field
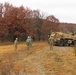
x: 38, y: 60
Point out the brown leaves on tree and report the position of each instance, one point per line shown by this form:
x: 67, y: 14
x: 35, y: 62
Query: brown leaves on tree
x: 17, y: 21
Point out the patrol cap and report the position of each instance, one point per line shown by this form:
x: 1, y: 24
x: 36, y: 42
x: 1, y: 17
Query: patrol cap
x: 16, y: 38
x: 28, y: 37
x: 52, y: 34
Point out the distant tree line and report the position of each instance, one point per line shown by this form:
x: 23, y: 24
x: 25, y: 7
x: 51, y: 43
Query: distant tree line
x: 21, y: 22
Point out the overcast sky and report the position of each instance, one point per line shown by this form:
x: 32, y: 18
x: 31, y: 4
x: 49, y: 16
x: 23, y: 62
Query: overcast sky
x: 64, y: 10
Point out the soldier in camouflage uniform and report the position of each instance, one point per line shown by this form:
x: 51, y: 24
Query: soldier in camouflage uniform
x: 29, y: 42
x: 51, y: 40
x: 16, y: 43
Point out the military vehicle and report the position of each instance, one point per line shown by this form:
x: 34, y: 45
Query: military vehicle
x: 64, y: 39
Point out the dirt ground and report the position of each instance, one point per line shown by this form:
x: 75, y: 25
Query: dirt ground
x: 38, y: 60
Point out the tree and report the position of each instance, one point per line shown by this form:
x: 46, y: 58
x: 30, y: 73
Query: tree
x: 21, y: 22
x: 1, y: 9
x: 50, y: 23
x: 37, y: 24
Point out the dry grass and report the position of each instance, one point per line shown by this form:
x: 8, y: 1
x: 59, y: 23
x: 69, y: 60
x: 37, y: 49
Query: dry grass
x: 38, y: 60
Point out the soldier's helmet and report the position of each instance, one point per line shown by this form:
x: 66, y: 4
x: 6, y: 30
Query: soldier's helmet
x: 16, y: 38
x: 53, y: 34
x: 28, y: 37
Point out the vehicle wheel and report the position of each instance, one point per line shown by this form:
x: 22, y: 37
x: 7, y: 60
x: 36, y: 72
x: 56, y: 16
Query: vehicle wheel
x: 65, y: 42
x: 60, y: 42
x: 74, y: 42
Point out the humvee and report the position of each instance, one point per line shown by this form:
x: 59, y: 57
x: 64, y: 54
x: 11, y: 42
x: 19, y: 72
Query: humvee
x: 64, y: 39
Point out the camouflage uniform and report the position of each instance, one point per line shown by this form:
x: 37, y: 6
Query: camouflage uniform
x: 51, y: 40
x: 16, y: 43
x: 29, y: 42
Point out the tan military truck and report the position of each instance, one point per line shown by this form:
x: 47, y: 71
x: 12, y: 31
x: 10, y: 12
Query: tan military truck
x: 64, y: 39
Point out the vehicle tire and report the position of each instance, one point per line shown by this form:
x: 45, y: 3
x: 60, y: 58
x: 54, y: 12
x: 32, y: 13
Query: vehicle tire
x: 74, y: 42
x: 65, y: 42
x: 60, y: 43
